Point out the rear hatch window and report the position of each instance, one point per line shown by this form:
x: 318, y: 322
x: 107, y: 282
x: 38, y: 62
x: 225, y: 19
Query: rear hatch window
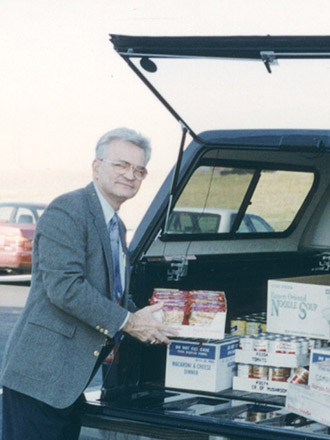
x: 213, y: 200
x: 214, y: 83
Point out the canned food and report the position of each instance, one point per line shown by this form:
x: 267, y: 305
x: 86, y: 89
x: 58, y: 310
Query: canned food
x: 238, y: 326
x: 303, y: 345
x: 259, y: 327
x: 252, y: 326
x: 256, y: 416
x: 263, y: 326
x: 276, y: 345
x: 260, y: 372
x: 278, y: 374
x: 261, y: 344
x: 291, y: 346
x: 245, y: 370
x: 299, y: 376
x: 314, y: 343
x: 246, y: 343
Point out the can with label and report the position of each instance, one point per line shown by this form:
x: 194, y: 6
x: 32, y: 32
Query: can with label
x: 261, y: 343
x: 254, y: 416
x: 291, y: 345
x: 303, y: 345
x: 276, y: 345
x: 278, y: 374
x: 238, y: 326
x: 299, y: 376
x: 245, y: 370
x: 246, y: 343
x: 314, y: 343
x: 260, y: 372
x: 263, y: 324
x: 252, y: 326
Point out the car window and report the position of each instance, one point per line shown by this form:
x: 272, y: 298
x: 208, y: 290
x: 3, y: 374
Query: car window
x: 5, y: 213
x: 186, y: 222
x: 25, y: 216
x: 259, y: 225
x: 40, y: 211
x: 245, y: 225
x: 267, y: 200
x: 209, y: 223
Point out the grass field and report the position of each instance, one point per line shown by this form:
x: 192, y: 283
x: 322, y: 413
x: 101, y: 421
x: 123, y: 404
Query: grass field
x: 278, y: 197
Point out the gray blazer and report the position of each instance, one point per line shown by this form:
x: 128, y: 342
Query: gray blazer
x: 69, y: 313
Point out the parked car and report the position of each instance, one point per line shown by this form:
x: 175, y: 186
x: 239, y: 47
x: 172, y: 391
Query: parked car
x: 17, y: 226
x: 187, y: 220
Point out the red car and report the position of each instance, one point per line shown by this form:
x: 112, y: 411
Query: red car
x: 17, y: 225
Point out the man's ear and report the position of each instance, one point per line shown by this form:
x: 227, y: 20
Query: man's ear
x: 96, y: 168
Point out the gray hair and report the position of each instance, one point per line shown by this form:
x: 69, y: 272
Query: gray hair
x: 123, y: 134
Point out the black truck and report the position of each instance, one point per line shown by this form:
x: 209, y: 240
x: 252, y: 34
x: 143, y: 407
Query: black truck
x: 248, y: 201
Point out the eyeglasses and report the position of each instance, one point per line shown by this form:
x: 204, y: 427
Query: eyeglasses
x: 122, y: 166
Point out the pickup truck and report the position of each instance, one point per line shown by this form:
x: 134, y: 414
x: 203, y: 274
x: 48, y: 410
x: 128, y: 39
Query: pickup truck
x: 257, y: 112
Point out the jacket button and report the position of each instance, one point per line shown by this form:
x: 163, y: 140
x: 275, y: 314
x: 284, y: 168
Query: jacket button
x: 97, y: 327
x: 106, y: 331
x: 102, y: 330
x: 96, y: 353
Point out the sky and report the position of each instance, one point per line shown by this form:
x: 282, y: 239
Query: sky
x: 62, y: 85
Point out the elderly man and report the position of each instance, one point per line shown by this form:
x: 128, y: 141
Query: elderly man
x: 78, y: 304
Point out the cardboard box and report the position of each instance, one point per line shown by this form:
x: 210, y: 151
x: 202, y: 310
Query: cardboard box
x: 215, y: 330
x: 319, y: 371
x: 271, y: 359
x: 201, y: 366
x: 319, y: 355
x: 197, y: 314
x: 299, y: 306
x: 262, y: 386
x: 312, y: 404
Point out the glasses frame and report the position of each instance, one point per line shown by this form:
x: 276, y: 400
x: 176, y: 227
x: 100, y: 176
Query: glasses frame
x: 122, y: 166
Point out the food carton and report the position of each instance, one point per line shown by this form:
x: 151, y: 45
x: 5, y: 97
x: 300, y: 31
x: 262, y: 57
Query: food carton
x: 309, y: 403
x: 202, y: 366
x: 319, y: 371
x: 299, y: 306
x: 195, y: 314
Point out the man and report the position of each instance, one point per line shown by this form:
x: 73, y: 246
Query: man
x: 78, y: 302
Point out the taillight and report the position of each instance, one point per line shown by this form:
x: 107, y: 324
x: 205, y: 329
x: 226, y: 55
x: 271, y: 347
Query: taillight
x: 18, y: 242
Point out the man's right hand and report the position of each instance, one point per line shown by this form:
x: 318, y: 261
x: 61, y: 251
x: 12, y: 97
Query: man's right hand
x: 144, y: 327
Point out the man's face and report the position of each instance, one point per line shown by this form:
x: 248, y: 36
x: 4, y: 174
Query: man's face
x: 117, y: 187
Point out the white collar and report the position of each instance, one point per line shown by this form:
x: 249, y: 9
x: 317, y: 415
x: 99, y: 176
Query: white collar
x: 107, y: 209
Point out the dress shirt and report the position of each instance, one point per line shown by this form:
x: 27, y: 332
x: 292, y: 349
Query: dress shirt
x: 108, y: 213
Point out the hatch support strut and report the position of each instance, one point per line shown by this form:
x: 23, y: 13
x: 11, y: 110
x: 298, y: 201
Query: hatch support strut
x: 159, y: 96
x: 175, y: 175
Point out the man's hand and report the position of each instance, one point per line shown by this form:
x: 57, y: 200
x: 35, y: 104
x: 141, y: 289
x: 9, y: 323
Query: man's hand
x: 143, y: 326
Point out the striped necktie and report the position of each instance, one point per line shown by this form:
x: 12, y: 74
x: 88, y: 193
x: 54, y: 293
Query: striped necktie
x: 114, y: 242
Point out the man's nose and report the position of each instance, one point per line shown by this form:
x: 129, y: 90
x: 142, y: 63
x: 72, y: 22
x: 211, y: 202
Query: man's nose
x: 129, y: 173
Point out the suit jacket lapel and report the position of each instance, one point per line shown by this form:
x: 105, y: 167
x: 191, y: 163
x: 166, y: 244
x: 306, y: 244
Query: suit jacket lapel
x: 101, y: 227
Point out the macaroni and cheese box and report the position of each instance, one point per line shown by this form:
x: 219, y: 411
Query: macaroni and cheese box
x: 202, y: 366
x: 319, y: 370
